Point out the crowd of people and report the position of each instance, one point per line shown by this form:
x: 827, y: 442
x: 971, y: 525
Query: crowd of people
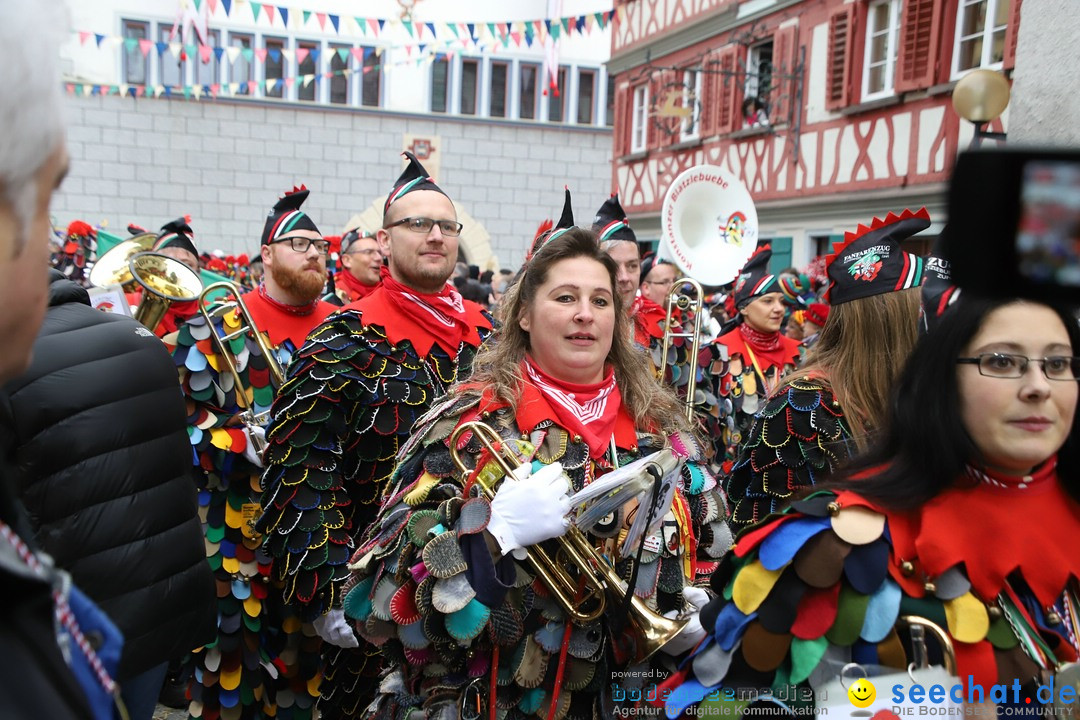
x: 364, y: 479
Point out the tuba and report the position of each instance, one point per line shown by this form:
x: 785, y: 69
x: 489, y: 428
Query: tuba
x: 220, y: 310
x: 578, y: 577
x: 680, y: 300
x: 164, y: 280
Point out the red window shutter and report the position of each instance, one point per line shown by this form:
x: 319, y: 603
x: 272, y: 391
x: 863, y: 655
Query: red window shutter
x: 841, y: 55
x: 1010, y: 36
x: 729, y: 88
x: 920, y: 40
x: 708, y: 100
x: 623, y: 121
x: 785, y: 57
x: 652, y: 139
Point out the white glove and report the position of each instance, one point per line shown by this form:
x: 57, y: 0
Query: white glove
x: 334, y: 629
x: 256, y: 437
x: 528, y: 509
x: 692, y: 633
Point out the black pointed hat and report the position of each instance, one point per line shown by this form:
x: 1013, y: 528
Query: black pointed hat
x: 177, y: 233
x: 414, y: 177
x: 546, y: 232
x: 754, y: 279
x: 610, y: 222
x: 870, y: 262
x: 938, y: 289
x: 287, y: 216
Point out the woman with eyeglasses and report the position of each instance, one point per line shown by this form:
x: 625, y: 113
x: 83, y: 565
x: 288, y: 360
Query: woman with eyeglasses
x: 468, y: 627
x: 965, y: 512
x: 828, y: 409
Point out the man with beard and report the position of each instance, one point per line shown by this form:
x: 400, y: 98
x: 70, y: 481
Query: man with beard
x: 264, y: 661
x: 361, y: 263
x: 353, y: 394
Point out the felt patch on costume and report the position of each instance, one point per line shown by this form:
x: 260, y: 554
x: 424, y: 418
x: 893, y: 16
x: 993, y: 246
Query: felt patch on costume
x: 881, y: 612
x: 420, y: 526
x: 403, y: 605
x: 380, y: 599
x: 357, y: 604
x: 850, y: 615
x: 951, y: 584
x: 473, y: 516
x: 530, y: 664
x: 752, y: 584
x: 420, y: 489
x: 764, y: 650
x: 412, y: 636
x: 779, y: 610
x: 466, y: 623
x: 711, y: 664
x: 781, y: 545
x: 805, y: 656
x: 820, y: 563
x: 817, y: 612
x: 585, y: 640
x: 505, y: 625
x: 858, y: 525
x: 867, y: 566
x: 967, y: 618
x: 452, y: 594
x: 1001, y: 634
x: 730, y: 624
x: 443, y: 557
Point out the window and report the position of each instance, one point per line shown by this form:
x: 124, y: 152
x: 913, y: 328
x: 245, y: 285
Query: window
x: 638, y: 118
x: 609, y: 112
x: 207, y: 73
x: 586, y: 96
x: 500, y: 72
x: 759, y: 67
x: 306, y: 53
x: 882, y: 26
x: 528, y: 89
x: 691, y: 99
x: 170, y: 69
x: 556, y: 95
x: 371, y: 83
x: 440, y: 83
x: 134, y: 60
x: 980, y: 34
x: 470, y: 75
x: 339, y: 79
x: 275, y: 67
x: 242, y: 70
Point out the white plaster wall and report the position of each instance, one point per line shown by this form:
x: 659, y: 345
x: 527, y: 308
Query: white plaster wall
x: 1045, y: 105
x: 149, y: 160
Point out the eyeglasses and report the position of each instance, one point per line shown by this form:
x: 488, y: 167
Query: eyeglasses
x: 449, y: 228
x: 368, y: 251
x: 1005, y: 366
x: 301, y: 244
x: 661, y: 283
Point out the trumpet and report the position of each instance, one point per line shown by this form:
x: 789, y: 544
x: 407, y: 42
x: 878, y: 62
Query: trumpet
x: 219, y: 310
x: 583, y: 598
x: 679, y: 299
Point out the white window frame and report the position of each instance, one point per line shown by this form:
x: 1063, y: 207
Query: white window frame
x: 690, y: 129
x: 892, y: 37
x: 987, y: 33
x: 639, y: 117
x: 147, y: 78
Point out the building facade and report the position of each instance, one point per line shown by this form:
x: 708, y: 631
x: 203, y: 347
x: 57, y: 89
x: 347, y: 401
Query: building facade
x: 213, y: 108
x: 829, y: 111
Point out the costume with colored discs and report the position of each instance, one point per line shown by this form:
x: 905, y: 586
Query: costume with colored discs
x: 351, y: 400
x: 264, y: 661
x: 458, y: 627
x: 824, y: 583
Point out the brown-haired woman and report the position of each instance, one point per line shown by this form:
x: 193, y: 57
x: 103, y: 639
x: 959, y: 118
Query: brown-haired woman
x: 826, y: 411
x: 464, y: 625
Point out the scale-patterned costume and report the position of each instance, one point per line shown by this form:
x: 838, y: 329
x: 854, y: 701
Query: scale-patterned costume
x: 263, y: 663
x: 352, y: 397
x: 453, y: 624
x: 990, y: 560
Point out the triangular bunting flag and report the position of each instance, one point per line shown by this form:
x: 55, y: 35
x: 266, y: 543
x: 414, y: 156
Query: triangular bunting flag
x: 335, y: 20
x: 358, y: 53
x: 343, y: 54
x: 284, y: 13
x: 218, y: 52
x: 174, y: 48
x: 213, y: 6
x: 187, y: 92
x: 256, y: 8
x: 472, y: 30
x: 289, y: 54
x: 382, y: 23
x: 407, y: 24
x: 315, y: 53
x: 301, y: 55
x: 260, y: 53
x: 375, y: 26
x: 161, y: 48
x: 290, y: 81
x: 98, y: 37
x: 145, y: 46
x: 431, y: 29
x: 197, y: 91
x: 227, y: 4
x: 84, y: 35
x: 321, y: 17
x: 204, y: 53
x: 248, y: 53
x: 274, y: 54
x: 269, y: 10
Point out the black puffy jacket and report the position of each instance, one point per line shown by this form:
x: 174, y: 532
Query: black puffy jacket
x: 103, y: 461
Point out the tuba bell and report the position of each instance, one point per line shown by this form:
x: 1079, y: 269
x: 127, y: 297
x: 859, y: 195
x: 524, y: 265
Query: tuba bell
x: 165, y: 280
x: 112, y: 268
x: 578, y: 577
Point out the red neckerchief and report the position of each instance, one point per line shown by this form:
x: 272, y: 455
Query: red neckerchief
x: 648, y: 320
x: 423, y: 319
x: 535, y: 407
x: 280, y: 323
x: 177, y: 314
x: 355, y: 289
x: 786, y: 351
x: 586, y: 410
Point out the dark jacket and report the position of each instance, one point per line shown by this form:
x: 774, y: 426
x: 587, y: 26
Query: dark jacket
x: 103, y: 462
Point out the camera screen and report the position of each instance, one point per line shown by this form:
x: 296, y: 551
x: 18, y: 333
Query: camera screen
x: 1048, y: 235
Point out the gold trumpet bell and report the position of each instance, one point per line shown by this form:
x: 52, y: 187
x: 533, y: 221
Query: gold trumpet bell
x: 113, y: 267
x: 165, y: 281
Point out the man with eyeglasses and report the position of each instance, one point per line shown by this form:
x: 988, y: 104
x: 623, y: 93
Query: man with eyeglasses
x: 364, y: 377
x: 262, y: 651
x: 361, y: 263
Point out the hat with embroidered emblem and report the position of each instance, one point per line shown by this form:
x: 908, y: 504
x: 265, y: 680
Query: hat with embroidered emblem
x: 870, y: 262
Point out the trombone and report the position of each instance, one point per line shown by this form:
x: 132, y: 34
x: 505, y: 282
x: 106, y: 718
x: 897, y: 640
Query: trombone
x: 233, y: 303
x: 646, y: 631
x: 680, y: 299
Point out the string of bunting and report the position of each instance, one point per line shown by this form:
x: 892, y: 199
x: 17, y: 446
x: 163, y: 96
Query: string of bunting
x: 517, y: 31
